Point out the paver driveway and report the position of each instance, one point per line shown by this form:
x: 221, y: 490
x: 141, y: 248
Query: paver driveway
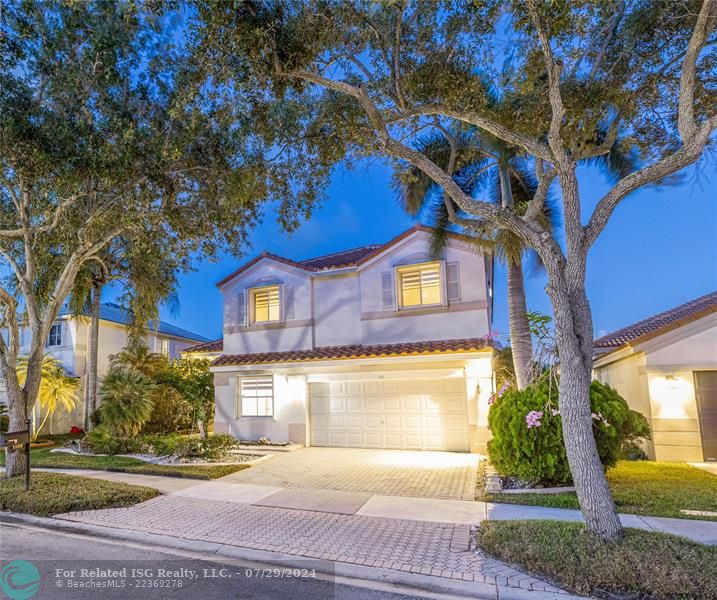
x: 386, y: 472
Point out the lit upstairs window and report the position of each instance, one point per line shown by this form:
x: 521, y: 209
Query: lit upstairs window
x: 420, y: 285
x: 265, y: 304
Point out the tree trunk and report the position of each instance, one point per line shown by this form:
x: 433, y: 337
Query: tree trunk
x: 92, y: 355
x: 573, y: 328
x: 15, y: 463
x: 521, y: 340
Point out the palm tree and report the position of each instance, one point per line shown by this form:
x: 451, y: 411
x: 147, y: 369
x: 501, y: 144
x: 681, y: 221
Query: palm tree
x: 126, y: 401
x: 137, y: 357
x: 480, y: 161
x: 57, y: 388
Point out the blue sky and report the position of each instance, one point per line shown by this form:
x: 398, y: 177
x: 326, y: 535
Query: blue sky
x: 659, y: 250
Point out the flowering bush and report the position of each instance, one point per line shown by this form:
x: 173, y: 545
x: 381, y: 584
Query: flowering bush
x: 528, y: 434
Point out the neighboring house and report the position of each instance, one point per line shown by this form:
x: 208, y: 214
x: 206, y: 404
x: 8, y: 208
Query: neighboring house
x: 68, y: 342
x: 666, y: 368
x: 382, y: 346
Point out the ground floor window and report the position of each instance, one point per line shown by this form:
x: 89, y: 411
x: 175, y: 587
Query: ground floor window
x: 256, y: 397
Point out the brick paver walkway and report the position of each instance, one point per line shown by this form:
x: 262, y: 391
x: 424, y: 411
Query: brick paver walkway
x: 387, y: 472
x: 437, y: 549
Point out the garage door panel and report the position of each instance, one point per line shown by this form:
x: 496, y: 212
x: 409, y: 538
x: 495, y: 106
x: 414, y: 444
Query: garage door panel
x: 337, y: 404
x: 392, y: 422
x: 393, y: 440
x: 412, y: 404
x: 429, y: 414
x: 354, y: 404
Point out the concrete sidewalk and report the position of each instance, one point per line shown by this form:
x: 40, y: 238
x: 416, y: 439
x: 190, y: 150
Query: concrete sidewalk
x: 434, y: 510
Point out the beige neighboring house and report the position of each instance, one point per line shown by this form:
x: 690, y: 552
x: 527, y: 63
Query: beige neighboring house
x: 666, y: 368
x: 383, y: 346
x: 68, y: 342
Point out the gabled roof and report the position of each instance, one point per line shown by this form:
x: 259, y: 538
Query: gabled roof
x: 355, y: 351
x: 109, y: 311
x: 337, y: 260
x: 661, y: 323
x: 213, y: 346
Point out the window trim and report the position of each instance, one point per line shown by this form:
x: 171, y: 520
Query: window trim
x: 251, y: 312
x: 398, y: 279
x: 240, y: 398
x: 59, y: 336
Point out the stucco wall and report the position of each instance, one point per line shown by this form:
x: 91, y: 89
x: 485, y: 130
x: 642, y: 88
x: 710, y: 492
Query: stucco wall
x: 628, y: 377
x: 660, y: 373
x: 345, y: 307
x: 294, y: 334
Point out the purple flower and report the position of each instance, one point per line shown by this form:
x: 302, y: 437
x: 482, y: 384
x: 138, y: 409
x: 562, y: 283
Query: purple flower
x: 491, y: 399
x: 533, y: 418
x: 554, y: 411
x: 502, y: 389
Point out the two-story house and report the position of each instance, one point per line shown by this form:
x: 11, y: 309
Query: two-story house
x: 68, y: 342
x: 383, y: 346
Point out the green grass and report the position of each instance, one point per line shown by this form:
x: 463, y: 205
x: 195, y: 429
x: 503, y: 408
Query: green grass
x: 54, y: 493
x: 658, y: 565
x: 42, y: 457
x: 655, y: 489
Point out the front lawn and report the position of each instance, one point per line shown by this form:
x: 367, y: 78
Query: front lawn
x: 54, y: 493
x: 658, y: 565
x: 42, y: 457
x: 650, y: 488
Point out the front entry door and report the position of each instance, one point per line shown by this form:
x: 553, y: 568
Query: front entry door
x: 706, y: 390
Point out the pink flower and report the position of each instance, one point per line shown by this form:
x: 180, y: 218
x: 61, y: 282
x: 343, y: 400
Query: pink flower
x: 533, y: 418
x: 491, y: 399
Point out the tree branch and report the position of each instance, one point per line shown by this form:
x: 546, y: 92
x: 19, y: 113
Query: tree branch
x: 686, y: 123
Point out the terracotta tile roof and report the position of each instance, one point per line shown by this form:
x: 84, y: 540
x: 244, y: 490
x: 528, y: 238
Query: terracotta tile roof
x: 661, y: 323
x: 354, y: 352
x: 337, y: 260
x: 214, y: 346
x: 346, y: 258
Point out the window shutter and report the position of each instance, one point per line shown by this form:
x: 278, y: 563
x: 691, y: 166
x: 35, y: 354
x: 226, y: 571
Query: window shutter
x: 453, y: 280
x: 288, y: 302
x: 387, y: 289
x: 241, y: 308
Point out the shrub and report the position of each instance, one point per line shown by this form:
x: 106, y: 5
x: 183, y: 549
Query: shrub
x: 638, y: 430
x: 101, y: 440
x: 528, y: 435
x: 126, y: 401
x: 162, y: 445
x: 171, y: 411
x: 215, y: 447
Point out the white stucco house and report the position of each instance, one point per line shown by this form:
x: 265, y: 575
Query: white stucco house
x: 68, y: 342
x: 383, y: 346
x: 666, y: 367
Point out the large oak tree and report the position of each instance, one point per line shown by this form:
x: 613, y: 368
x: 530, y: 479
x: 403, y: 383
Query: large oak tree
x: 98, y: 142
x: 331, y: 82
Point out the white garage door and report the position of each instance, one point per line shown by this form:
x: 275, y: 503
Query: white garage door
x: 408, y: 414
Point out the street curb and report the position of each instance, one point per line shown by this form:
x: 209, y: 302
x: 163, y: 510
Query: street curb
x: 355, y: 573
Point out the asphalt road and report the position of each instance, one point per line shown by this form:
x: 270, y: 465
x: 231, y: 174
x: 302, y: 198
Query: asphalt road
x: 73, y: 567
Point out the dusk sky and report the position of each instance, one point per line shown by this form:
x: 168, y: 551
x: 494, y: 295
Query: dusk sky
x: 659, y: 250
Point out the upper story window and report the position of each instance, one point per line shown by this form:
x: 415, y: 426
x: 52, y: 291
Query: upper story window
x: 163, y: 346
x: 265, y: 304
x: 54, y: 338
x: 420, y: 285
x: 256, y: 397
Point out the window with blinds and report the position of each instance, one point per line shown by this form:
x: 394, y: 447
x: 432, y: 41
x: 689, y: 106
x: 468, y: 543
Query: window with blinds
x: 256, y: 397
x: 420, y: 285
x: 266, y: 304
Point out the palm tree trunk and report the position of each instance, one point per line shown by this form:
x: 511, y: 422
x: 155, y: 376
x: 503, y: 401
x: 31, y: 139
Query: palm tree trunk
x: 36, y: 434
x: 521, y: 340
x: 92, y: 355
